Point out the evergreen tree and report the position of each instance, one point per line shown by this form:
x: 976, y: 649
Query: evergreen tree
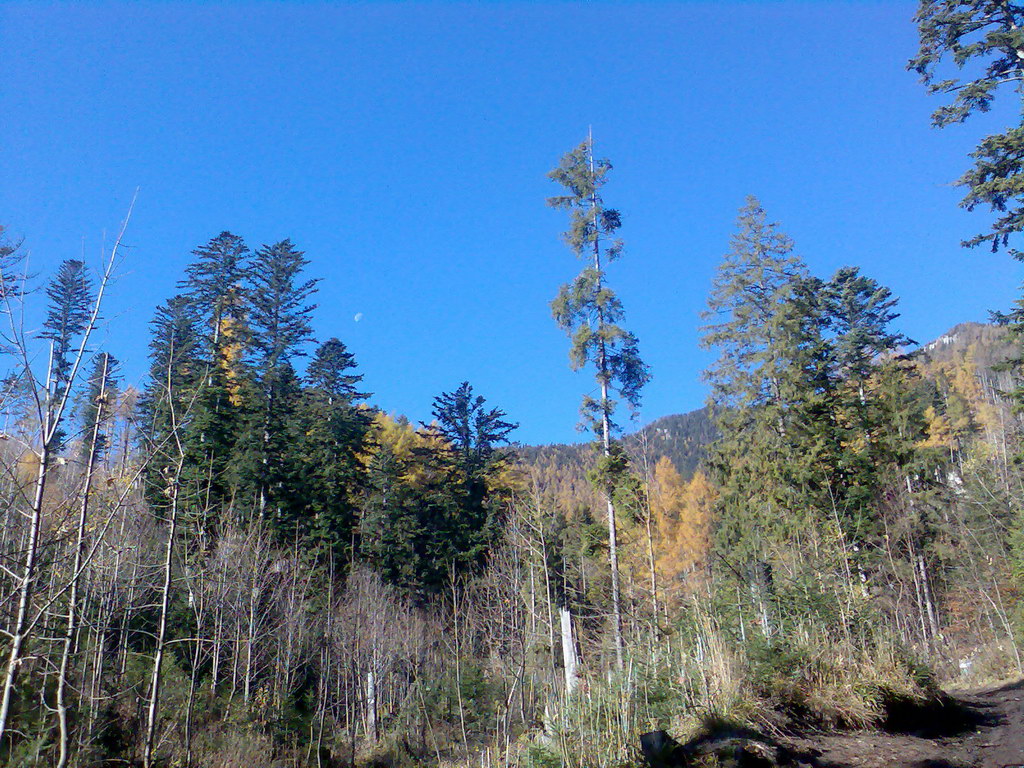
x: 214, y: 286
x: 213, y: 280
x: 70, y: 297
x: 859, y: 316
x: 757, y: 378
x: 473, y: 430
x: 392, y: 535
x: 280, y: 311
x: 98, y: 405
x: 471, y: 435
x: 987, y: 35
x: 590, y: 313
x: 770, y: 397
x: 280, y: 308
x: 10, y: 259
x: 176, y: 373
x: 330, y: 373
x: 332, y: 434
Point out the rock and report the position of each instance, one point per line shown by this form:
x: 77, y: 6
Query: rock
x: 661, y: 750
x: 735, y: 750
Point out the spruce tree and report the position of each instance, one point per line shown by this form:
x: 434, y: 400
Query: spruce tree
x: 766, y: 398
x: 280, y: 309
x: 280, y: 305
x: 331, y: 436
x: 392, y: 536
x: 473, y: 430
x: 176, y: 373
x: 213, y: 281
x: 70, y: 297
x: 214, y: 286
x: 859, y: 314
x: 471, y: 435
x: 330, y: 373
x: 988, y: 36
x: 590, y: 313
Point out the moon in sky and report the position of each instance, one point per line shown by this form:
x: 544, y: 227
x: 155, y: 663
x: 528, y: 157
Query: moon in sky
x: 358, y: 317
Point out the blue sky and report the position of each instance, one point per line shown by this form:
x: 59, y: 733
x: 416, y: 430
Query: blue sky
x: 404, y: 147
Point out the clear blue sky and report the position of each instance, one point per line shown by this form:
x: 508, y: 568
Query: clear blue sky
x: 404, y: 146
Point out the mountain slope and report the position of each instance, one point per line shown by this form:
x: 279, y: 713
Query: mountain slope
x: 684, y: 437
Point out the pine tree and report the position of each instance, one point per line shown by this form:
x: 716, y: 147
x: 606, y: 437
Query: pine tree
x: 176, y: 373
x: 280, y: 308
x: 770, y: 397
x: 279, y: 321
x: 332, y: 434
x: 988, y: 35
x: 470, y: 435
x: 213, y: 279
x: 71, y: 298
x: 392, y: 535
x: 10, y: 263
x: 757, y: 379
x: 330, y: 373
x: 213, y: 285
x: 590, y: 313
x: 859, y: 314
x: 98, y: 405
x: 474, y: 431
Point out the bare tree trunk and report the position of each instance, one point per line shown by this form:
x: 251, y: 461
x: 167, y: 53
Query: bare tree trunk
x: 71, y: 630
x: 161, y: 636
x: 458, y: 663
x: 22, y: 624
x: 250, y: 640
x: 49, y: 409
x: 570, y: 662
x: 20, y: 630
x: 933, y: 619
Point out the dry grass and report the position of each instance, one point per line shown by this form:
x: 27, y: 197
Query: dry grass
x: 231, y: 749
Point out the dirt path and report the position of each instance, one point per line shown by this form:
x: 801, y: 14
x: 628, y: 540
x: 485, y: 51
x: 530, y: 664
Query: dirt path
x: 983, y: 729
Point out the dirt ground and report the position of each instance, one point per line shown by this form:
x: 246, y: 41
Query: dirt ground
x: 982, y: 729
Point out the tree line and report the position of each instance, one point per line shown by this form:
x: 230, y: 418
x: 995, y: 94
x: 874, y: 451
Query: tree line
x: 245, y: 563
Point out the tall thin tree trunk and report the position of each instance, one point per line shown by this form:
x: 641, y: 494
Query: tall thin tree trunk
x: 570, y: 662
x: 71, y: 631
x: 933, y: 619
x: 161, y: 636
x: 603, y: 376
x: 22, y: 624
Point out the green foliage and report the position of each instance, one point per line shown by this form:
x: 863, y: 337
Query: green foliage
x: 478, y: 696
x: 279, y: 305
x: 822, y: 426
x: 473, y: 431
x: 435, y: 497
x: 213, y: 282
x: 587, y: 309
x: 98, y: 405
x: 330, y: 374
x: 985, y: 35
x: 70, y: 295
x: 543, y: 756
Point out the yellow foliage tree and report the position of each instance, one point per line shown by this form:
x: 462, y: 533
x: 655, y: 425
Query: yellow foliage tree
x: 683, y: 512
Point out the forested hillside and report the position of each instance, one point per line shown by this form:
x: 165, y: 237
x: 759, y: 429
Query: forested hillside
x: 968, y: 350
x: 562, y: 469
x: 244, y: 559
x: 248, y: 561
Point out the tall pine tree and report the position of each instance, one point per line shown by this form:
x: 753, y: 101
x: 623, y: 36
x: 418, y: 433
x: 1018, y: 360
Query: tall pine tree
x: 280, y: 311
x: 591, y: 314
